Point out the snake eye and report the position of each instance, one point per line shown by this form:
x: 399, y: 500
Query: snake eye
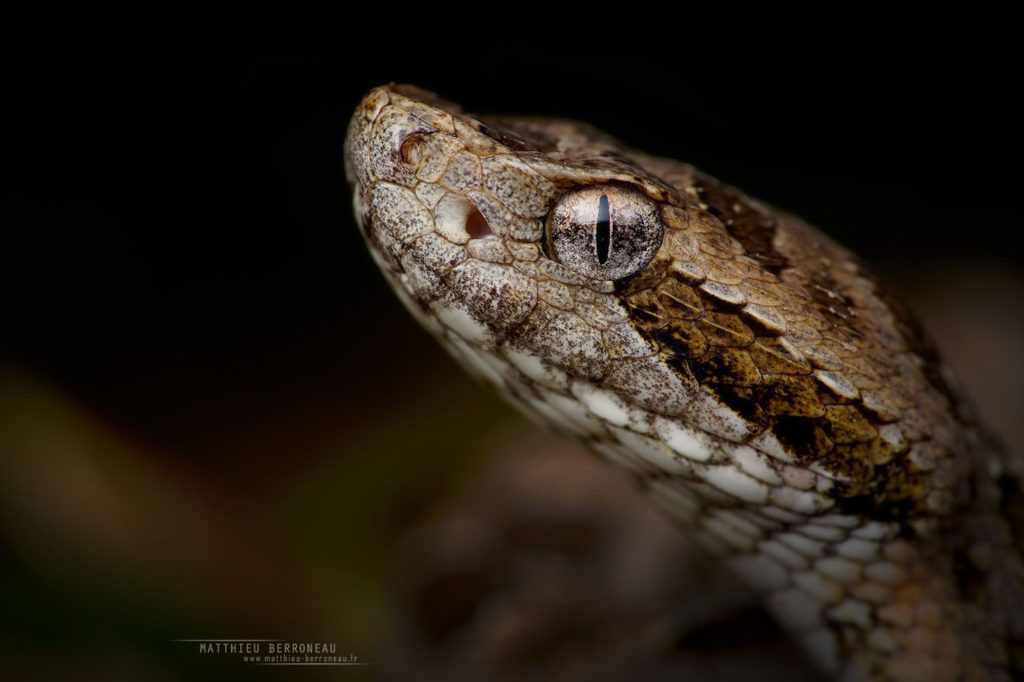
x: 604, y: 232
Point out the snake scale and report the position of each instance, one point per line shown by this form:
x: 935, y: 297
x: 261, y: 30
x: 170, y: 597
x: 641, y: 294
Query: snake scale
x: 751, y: 376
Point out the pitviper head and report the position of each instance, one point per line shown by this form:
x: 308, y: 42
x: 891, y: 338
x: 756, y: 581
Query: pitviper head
x: 749, y: 373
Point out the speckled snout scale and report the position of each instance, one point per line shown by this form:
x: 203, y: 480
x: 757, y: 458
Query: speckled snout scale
x: 748, y: 373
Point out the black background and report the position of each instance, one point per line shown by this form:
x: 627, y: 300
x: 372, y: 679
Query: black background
x: 178, y: 228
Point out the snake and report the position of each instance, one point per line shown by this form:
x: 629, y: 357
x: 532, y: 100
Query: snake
x: 752, y: 377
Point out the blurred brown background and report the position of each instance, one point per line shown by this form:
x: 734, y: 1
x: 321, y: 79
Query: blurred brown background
x: 215, y: 420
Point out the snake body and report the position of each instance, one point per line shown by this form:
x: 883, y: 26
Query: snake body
x: 753, y: 377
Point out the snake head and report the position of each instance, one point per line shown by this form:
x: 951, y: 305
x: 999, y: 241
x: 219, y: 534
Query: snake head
x: 673, y: 323
x: 745, y: 370
x: 456, y: 211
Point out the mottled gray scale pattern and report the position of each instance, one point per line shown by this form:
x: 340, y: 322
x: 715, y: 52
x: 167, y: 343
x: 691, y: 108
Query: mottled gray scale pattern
x: 753, y: 378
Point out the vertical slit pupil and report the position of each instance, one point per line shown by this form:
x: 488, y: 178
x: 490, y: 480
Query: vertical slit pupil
x: 603, y: 230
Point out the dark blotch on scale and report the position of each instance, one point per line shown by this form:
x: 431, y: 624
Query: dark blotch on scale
x: 750, y: 226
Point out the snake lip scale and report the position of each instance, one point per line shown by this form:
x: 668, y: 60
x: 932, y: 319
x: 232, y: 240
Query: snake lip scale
x: 751, y: 376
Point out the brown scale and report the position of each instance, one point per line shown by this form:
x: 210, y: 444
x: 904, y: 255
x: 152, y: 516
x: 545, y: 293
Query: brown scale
x: 752, y: 228
x: 747, y: 367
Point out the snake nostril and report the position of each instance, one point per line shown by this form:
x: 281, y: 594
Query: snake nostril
x: 476, y: 225
x: 412, y: 149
